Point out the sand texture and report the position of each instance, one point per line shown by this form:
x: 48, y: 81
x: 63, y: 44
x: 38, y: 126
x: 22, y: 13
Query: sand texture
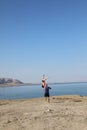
x: 62, y: 113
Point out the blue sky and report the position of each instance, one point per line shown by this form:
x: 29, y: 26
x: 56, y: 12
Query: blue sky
x: 43, y: 37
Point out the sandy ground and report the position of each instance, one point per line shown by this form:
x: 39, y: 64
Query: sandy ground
x: 62, y: 113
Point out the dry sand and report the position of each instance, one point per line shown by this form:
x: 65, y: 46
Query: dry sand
x: 62, y: 113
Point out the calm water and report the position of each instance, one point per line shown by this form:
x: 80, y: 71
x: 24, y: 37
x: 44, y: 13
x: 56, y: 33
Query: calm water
x: 35, y: 91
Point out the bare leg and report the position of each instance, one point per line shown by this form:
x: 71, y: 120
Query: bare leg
x: 45, y: 98
x: 49, y: 99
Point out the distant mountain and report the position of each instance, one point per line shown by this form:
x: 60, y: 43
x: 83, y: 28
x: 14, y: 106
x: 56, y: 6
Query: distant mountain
x: 10, y: 81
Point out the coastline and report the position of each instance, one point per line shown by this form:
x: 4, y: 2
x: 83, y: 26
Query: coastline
x: 67, y: 112
x: 11, y: 85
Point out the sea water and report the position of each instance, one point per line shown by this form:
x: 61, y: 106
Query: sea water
x: 36, y: 91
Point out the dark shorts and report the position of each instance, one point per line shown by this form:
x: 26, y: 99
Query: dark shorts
x: 43, y: 81
x: 42, y: 86
x: 46, y: 95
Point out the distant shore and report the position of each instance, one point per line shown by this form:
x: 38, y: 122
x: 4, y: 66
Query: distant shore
x: 62, y: 113
x: 8, y: 85
x: 27, y: 84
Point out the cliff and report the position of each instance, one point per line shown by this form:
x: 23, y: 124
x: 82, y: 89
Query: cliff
x: 8, y: 81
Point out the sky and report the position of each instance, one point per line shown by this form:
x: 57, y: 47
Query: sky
x: 43, y: 37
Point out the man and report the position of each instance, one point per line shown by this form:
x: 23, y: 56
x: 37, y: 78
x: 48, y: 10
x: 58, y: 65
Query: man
x: 46, y: 93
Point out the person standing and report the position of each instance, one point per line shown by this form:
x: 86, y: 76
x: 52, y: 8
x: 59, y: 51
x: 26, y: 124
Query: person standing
x: 46, y: 93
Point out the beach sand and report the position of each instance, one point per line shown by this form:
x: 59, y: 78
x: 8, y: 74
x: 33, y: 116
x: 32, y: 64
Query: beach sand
x: 62, y: 113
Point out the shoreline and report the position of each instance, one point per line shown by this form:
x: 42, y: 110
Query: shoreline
x: 65, y: 112
x: 55, y: 96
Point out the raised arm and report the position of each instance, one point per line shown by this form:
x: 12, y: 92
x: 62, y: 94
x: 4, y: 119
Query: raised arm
x: 44, y: 78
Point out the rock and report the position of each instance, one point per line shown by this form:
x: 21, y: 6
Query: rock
x: 9, y: 81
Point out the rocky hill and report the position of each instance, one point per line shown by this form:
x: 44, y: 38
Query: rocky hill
x: 10, y: 81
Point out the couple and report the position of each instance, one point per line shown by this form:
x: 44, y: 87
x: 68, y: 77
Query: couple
x: 45, y: 88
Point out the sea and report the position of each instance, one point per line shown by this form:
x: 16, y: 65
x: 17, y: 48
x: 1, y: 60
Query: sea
x: 36, y: 91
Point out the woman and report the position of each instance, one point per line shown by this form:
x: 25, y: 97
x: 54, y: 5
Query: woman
x: 44, y: 81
